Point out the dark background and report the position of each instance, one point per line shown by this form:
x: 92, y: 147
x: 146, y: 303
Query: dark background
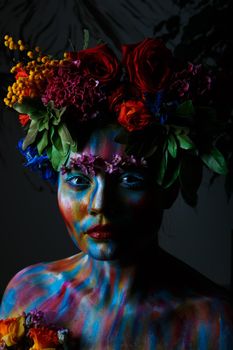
x: 31, y: 228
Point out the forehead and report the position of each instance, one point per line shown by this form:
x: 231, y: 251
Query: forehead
x: 102, y: 143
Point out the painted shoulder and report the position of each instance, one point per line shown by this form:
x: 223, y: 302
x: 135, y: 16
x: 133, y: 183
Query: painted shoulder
x: 208, y: 322
x: 35, y: 284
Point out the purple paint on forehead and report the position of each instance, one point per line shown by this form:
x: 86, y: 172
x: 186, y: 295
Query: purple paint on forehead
x: 89, y: 163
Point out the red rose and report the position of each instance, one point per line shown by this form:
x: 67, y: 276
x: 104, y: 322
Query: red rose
x: 148, y: 64
x: 100, y: 62
x: 121, y: 93
x: 133, y: 115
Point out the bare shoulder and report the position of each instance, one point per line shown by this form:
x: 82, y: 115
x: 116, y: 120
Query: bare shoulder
x: 32, y: 285
x: 209, y: 320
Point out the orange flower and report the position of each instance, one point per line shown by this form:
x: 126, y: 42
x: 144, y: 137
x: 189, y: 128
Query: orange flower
x: 44, y: 338
x: 134, y: 115
x: 12, y: 330
x: 24, y: 119
x: 21, y: 73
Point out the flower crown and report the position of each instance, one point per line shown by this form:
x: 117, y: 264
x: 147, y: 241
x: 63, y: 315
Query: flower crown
x: 166, y: 110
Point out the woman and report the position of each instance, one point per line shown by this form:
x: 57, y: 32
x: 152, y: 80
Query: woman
x: 116, y: 177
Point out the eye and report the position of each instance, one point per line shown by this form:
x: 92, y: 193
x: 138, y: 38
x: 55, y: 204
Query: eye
x: 132, y: 181
x: 80, y: 182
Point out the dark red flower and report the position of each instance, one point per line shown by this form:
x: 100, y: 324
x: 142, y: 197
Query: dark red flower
x: 148, y: 64
x: 121, y: 93
x: 133, y: 115
x: 100, y: 62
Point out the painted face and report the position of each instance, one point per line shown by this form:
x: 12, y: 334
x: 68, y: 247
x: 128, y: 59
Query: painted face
x: 109, y: 215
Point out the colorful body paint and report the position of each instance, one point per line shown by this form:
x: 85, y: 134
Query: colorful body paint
x: 103, y: 311
x: 121, y: 291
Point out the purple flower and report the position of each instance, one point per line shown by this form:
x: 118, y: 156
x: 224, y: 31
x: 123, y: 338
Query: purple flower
x: 89, y: 164
x: 35, y: 319
x: 190, y: 83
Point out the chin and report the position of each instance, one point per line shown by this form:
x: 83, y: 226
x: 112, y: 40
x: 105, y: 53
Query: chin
x: 103, y: 250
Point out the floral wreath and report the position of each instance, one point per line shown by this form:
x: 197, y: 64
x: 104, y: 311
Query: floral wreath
x: 167, y: 110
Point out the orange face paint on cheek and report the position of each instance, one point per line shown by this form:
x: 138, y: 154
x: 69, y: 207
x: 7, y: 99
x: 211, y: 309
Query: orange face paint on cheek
x: 82, y: 210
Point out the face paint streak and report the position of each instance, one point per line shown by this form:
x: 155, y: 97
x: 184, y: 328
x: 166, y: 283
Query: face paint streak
x: 82, y: 210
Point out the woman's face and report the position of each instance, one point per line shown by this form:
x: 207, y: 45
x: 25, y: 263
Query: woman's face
x: 110, y: 216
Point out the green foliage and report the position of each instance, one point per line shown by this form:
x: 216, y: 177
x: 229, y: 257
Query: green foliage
x: 43, y: 142
x: 31, y: 134
x: 172, y: 145
x: 47, y: 130
x: 144, y: 143
x: 86, y: 39
x: 162, y: 167
x: 33, y: 108
x: 215, y: 161
x: 184, y: 140
x: 185, y: 109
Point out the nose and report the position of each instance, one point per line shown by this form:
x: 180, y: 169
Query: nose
x: 96, y: 204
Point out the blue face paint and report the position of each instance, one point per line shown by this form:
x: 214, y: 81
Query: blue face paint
x: 106, y: 213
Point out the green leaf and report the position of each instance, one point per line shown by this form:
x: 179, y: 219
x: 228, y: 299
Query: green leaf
x: 57, y: 157
x: 62, y: 144
x: 43, y: 124
x: 173, y: 177
x: 65, y: 136
x: 50, y: 105
x: 31, y: 107
x: 31, y: 134
x: 172, y: 146
x: 185, y: 142
x: 56, y: 115
x: 185, y: 109
x: 215, y: 161
x: 86, y: 38
x: 43, y: 142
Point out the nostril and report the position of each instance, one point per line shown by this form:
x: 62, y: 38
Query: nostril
x: 94, y: 211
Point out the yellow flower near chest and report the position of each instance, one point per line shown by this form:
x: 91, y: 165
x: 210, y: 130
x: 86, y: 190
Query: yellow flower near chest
x: 12, y: 330
x: 43, y: 338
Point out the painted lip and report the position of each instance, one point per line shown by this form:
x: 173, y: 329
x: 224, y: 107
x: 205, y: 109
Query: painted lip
x: 101, y: 231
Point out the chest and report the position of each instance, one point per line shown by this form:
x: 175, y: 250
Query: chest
x: 118, y: 325
x: 158, y: 322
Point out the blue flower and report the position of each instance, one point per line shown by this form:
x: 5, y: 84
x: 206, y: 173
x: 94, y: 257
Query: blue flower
x: 37, y: 162
x: 154, y: 104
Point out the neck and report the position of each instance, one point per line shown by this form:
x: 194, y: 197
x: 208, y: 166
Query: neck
x: 117, y: 280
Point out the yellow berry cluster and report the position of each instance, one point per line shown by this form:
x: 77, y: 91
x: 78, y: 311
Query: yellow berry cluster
x: 30, y: 77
